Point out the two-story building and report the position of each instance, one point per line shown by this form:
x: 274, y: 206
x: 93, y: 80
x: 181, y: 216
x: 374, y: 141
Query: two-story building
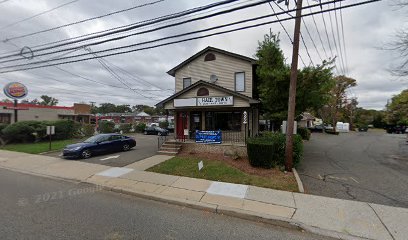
x: 215, y: 90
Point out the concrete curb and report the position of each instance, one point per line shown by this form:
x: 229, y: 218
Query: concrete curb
x: 218, y: 209
x: 299, y: 182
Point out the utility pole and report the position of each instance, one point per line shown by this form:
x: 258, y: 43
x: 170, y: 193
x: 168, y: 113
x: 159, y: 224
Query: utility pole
x: 292, y: 90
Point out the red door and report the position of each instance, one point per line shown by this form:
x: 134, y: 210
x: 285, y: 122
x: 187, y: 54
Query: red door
x: 181, y: 124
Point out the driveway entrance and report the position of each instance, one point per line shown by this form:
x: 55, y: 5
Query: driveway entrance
x: 370, y: 167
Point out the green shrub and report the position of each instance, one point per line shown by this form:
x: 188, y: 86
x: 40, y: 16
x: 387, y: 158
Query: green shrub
x: 2, y: 126
x: 25, y: 131
x: 125, y: 127
x: 140, y: 127
x: 268, y: 150
x: 164, y: 124
x: 64, y: 129
x: 304, y: 133
x: 88, y: 129
x: 106, y: 127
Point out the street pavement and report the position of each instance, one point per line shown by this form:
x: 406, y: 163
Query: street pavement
x: 342, y: 219
x: 364, y: 166
x: 39, y: 208
x: 146, y: 146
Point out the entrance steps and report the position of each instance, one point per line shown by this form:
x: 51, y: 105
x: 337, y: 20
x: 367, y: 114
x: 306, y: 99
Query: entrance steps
x: 171, y: 148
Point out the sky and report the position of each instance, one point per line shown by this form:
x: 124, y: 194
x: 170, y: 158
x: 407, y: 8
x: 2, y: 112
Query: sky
x: 368, y: 29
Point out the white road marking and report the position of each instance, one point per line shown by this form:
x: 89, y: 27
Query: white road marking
x: 354, y: 180
x: 320, y: 177
x: 110, y: 157
x: 338, y: 178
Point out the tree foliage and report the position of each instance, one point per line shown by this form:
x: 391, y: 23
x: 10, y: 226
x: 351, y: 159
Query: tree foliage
x: 397, y: 109
x: 313, y: 84
x: 48, y: 101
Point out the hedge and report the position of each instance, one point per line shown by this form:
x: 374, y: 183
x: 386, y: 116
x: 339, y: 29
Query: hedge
x: 304, y: 133
x: 88, y: 129
x: 125, y: 127
x: 106, y: 127
x: 30, y: 131
x: 268, y: 151
x: 140, y: 127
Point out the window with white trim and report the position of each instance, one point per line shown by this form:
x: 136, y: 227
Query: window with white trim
x: 186, y: 82
x: 240, y: 82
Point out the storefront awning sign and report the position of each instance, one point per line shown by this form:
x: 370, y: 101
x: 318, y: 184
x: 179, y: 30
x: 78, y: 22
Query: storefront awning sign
x: 209, y: 137
x: 215, y: 101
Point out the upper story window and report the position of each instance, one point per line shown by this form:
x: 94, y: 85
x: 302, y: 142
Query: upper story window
x: 203, y: 92
x: 240, y: 82
x: 186, y: 82
x: 209, y: 57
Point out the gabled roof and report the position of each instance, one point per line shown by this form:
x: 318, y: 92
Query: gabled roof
x: 209, y: 48
x: 201, y: 82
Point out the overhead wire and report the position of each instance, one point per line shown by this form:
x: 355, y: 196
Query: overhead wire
x: 318, y: 32
x: 38, y: 14
x: 339, y: 41
x: 199, y: 37
x: 160, y: 39
x: 83, y: 21
x: 287, y: 34
x: 335, y: 44
x: 344, y: 41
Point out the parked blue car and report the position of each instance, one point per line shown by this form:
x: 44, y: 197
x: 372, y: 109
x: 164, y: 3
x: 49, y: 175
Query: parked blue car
x: 98, y: 144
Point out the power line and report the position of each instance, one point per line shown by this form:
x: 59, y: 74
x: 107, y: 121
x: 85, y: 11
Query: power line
x: 152, y: 41
x: 4, y: 1
x: 287, y: 34
x: 193, y: 38
x: 339, y: 41
x: 307, y: 50
x: 311, y: 38
x: 149, y: 22
x: 344, y: 41
x: 318, y: 32
x: 84, y: 20
x: 38, y: 14
x: 335, y: 44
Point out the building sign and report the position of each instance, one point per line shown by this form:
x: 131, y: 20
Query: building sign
x: 215, y: 101
x: 209, y: 137
x: 15, y: 90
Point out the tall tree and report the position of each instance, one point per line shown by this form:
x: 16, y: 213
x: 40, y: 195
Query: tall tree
x: 313, y: 84
x: 48, y: 101
x: 400, y: 45
x: 397, y: 109
x: 338, y: 97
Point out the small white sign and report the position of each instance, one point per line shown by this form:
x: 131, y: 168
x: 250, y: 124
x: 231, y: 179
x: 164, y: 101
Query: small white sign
x: 200, y: 165
x: 50, y: 130
x: 186, y: 132
x: 215, y: 101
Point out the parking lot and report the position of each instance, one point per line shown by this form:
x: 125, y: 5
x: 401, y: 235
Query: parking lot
x: 365, y: 166
x: 146, y: 146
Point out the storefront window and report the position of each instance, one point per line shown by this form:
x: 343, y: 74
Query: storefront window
x: 227, y: 121
x: 5, y: 118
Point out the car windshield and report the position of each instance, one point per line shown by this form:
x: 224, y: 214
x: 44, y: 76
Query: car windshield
x: 94, y: 139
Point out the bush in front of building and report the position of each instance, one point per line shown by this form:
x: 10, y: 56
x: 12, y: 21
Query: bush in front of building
x: 64, y: 129
x: 125, y: 127
x: 140, y: 127
x: 164, y: 124
x: 304, y: 133
x: 25, y: 131
x: 88, y: 129
x: 268, y: 150
x: 106, y: 127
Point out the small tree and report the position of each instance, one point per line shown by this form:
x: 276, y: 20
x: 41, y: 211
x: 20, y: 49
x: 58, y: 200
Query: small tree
x: 164, y: 124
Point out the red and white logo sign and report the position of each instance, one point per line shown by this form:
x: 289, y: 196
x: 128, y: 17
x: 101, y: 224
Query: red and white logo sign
x: 15, y: 90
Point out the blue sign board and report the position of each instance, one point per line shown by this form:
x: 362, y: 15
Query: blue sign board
x: 208, y: 137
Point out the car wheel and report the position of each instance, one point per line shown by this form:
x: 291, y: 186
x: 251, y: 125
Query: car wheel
x: 126, y: 147
x: 159, y: 134
x: 86, y: 153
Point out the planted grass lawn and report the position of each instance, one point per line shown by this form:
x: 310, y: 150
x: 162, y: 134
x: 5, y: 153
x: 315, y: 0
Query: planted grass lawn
x: 38, y: 147
x: 217, y: 170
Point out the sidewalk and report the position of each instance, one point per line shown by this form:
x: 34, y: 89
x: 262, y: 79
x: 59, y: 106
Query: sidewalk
x: 336, y: 218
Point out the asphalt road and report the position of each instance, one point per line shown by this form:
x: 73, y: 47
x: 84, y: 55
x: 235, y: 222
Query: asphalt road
x: 146, y: 146
x: 38, y: 208
x: 364, y: 166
